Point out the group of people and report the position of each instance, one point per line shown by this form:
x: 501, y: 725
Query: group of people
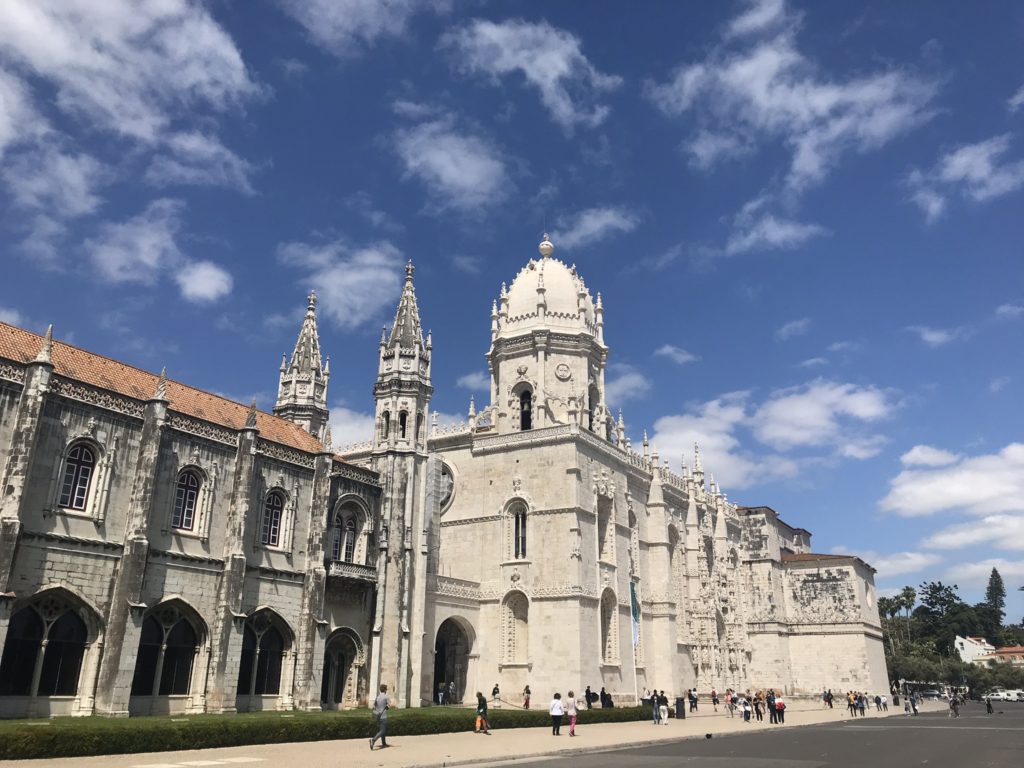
x: 754, y: 706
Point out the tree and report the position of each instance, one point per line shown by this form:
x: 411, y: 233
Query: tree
x: 907, y: 597
x: 995, y: 595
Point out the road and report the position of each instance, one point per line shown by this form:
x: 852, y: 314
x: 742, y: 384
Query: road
x: 933, y: 739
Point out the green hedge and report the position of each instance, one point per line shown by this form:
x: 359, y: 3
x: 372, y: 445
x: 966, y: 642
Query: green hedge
x: 80, y: 737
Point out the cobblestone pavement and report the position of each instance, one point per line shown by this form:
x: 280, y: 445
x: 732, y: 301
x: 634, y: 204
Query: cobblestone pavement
x: 468, y: 748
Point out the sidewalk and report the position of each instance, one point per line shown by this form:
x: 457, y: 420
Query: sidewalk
x: 459, y: 748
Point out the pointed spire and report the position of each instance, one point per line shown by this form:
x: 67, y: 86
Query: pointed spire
x: 472, y: 407
x: 160, y: 393
x: 327, y: 366
x: 284, y: 362
x: 302, y: 389
x: 405, y: 331
x: 250, y: 418
x: 46, y: 348
x: 430, y: 340
x: 328, y: 440
x: 697, y: 466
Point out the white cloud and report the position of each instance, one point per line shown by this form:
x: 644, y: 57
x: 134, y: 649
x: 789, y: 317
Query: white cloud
x: 19, y: 120
x: 355, y: 285
x: 937, y: 337
x: 47, y: 179
x: 11, y: 316
x: 820, y: 413
x: 998, y: 531
x: 347, y: 27
x: 927, y: 456
x: 626, y: 383
x: 478, y: 381
x: 757, y: 87
x: 982, y: 485
x: 656, y: 263
x: 706, y: 149
x: 890, y: 564
x: 769, y: 232
x: 676, y: 354
x: 471, y: 265
x: 349, y: 426
x: 1009, y: 311
x: 460, y: 170
x: 977, y: 171
x: 592, y: 225
x: 976, y: 574
x: 792, y: 329
x: 998, y: 384
x: 199, y: 159
x: 203, y: 281
x: 416, y: 110
x: 141, y: 248
x: 759, y: 16
x: 550, y: 59
x: 813, y: 362
x: 1016, y: 101
x: 844, y: 346
x: 126, y: 66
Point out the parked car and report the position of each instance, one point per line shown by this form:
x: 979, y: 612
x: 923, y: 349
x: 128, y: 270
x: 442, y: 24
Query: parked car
x: 931, y: 695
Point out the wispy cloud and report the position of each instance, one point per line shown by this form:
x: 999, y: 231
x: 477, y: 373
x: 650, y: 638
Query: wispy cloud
x: 550, y: 59
x: 356, y: 284
x: 676, y: 354
x: 471, y: 265
x: 755, y: 229
x: 194, y: 158
x: 1009, y: 311
x: 792, y: 329
x: 625, y: 383
x: 998, y: 384
x: 460, y: 169
x: 938, y: 337
x: 478, y: 381
x: 592, y: 225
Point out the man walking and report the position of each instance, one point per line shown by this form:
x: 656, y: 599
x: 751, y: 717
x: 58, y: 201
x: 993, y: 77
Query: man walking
x: 380, y: 712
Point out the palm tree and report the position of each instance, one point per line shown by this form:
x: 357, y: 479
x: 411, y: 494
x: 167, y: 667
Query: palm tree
x: 907, y: 597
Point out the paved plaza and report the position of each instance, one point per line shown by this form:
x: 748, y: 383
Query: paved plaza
x: 811, y: 737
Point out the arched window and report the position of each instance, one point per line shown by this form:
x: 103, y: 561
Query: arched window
x: 519, y: 531
x: 594, y: 404
x: 385, y: 424
x: 44, y: 649
x: 167, y: 650
x: 403, y: 422
x: 263, y: 648
x: 348, y: 526
x: 273, y: 509
x: 349, y: 538
x: 78, y: 471
x: 185, y: 496
x: 526, y: 410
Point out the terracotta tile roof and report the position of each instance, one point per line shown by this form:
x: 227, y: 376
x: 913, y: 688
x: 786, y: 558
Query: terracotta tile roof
x: 71, y: 362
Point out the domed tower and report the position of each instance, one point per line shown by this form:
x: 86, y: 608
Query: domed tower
x: 547, y: 358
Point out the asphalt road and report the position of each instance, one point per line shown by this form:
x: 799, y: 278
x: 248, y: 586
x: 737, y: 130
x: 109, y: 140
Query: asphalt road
x: 972, y: 741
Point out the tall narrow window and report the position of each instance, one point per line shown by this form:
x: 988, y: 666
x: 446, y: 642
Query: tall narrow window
x: 350, y: 540
x: 272, y: 511
x: 385, y: 424
x: 185, y: 501
x: 403, y: 422
x: 526, y: 410
x: 78, y: 471
x: 44, y: 650
x: 519, y: 532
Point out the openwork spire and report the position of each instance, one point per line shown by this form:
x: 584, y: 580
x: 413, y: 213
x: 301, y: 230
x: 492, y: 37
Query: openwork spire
x: 406, y: 332
x: 306, y: 358
x: 302, y: 382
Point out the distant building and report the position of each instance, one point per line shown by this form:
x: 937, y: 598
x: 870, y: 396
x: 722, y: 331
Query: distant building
x: 1011, y: 654
x: 971, y: 648
x: 165, y: 550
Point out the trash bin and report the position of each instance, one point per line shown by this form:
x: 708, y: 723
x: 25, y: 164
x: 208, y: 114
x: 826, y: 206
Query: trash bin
x: 681, y: 707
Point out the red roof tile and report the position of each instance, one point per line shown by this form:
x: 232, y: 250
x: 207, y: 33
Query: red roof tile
x: 71, y: 362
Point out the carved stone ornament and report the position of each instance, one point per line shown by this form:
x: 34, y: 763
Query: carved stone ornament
x: 517, y: 484
x: 515, y: 577
x: 604, y: 486
x: 563, y: 372
x: 521, y: 370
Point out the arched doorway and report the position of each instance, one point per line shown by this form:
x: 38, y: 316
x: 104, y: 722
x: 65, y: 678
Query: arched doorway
x: 343, y: 664
x: 451, y: 660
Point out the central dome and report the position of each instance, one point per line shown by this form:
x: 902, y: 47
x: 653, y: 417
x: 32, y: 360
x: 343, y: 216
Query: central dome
x: 567, y: 301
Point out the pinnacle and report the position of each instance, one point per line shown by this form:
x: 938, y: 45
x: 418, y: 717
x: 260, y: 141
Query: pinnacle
x: 46, y: 348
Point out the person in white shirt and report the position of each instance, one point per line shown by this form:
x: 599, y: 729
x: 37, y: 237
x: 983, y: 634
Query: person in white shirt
x: 557, y: 709
x: 572, y: 711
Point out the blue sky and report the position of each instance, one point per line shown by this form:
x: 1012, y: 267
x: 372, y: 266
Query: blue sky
x: 805, y: 221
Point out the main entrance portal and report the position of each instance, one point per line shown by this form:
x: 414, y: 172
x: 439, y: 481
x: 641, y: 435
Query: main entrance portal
x: 451, y: 661
x: 340, y: 687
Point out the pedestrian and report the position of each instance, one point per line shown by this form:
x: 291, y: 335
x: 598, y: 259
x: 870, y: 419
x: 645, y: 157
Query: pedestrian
x: 695, y: 699
x: 714, y: 698
x: 906, y: 706
x: 655, y: 708
x: 728, y: 701
x: 780, y: 706
x: 526, y: 697
x: 606, y: 699
x: 589, y: 696
x: 824, y: 699
x: 440, y: 693
x: 913, y: 703
x: 557, y: 709
x: 988, y: 706
x: 380, y: 714
x: 495, y: 693
x: 862, y: 704
x: 663, y: 708
x: 746, y: 709
x: 759, y: 707
x: 773, y: 712
x: 954, y: 707
x: 878, y: 703
x: 830, y: 698
x: 482, y: 726
x: 573, y: 711
x: 885, y: 703
x: 451, y: 693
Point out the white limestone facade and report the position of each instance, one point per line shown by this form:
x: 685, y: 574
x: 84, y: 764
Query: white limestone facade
x: 164, y: 550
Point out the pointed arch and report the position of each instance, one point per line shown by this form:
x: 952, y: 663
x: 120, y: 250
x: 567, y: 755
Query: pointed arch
x: 515, y: 628
x: 172, y: 635
x: 516, y: 515
x: 609, y: 627
x: 349, y: 531
x: 344, y: 682
x: 267, y: 643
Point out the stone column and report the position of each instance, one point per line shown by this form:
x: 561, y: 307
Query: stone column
x: 19, y: 455
x: 124, y: 625
x: 229, y: 624
x: 309, y: 641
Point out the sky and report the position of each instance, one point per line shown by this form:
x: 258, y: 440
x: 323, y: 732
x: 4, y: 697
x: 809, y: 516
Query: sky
x: 805, y: 221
